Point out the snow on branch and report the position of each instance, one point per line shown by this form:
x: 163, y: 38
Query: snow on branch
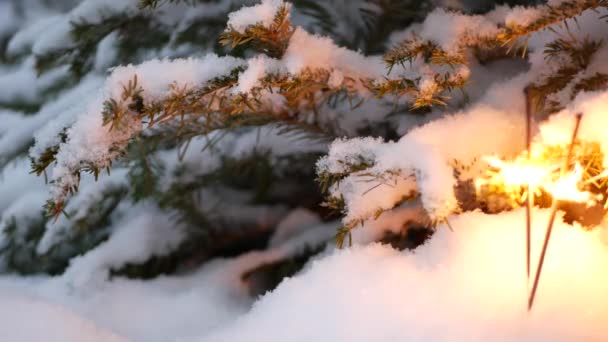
x: 266, y: 26
x: 367, y: 177
x: 445, y: 41
x: 115, y: 116
x: 263, y: 14
x: 292, y: 82
x: 210, y: 93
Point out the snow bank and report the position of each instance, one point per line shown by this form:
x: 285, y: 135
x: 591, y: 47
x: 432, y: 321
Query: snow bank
x: 467, y: 285
x: 167, y: 308
x: 162, y: 309
x: 27, y: 318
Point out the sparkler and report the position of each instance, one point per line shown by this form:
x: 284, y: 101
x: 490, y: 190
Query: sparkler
x: 530, y: 195
x: 555, y: 204
x: 542, y: 169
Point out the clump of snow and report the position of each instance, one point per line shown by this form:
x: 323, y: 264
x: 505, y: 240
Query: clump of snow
x: 407, y: 214
x: 297, y: 221
x: 480, y: 130
x: 262, y: 13
x: 307, y: 50
x: 156, y: 76
x: 168, y: 307
x: 20, y: 213
x: 8, y: 120
x: 452, y: 30
x: 139, y: 236
x: 393, y: 172
x: 335, y: 79
x: 257, y: 67
x: 22, y: 83
x: 8, y: 19
x: 91, y: 193
x: 26, y: 37
x: 343, y: 153
x: 106, y: 52
x: 523, y: 16
x: 58, y: 35
x: 15, y: 181
x: 93, y: 10
x: 57, y: 115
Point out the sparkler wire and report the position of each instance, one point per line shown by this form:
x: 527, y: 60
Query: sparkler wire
x: 554, y: 207
x: 530, y: 195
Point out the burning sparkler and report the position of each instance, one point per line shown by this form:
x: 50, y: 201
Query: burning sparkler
x: 564, y: 188
x: 529, y: 195
x: 574, y: 173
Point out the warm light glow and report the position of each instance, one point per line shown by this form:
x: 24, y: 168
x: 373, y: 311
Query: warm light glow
x: 566, y: 188
x: 513, y: 178
x: 520, y: 172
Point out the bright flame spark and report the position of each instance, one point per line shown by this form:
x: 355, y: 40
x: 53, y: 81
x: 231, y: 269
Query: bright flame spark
x: 514, y: 176
x: 566, y: 188
x: 520, y: 172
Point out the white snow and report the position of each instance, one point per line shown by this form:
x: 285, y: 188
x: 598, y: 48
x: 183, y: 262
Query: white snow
x: 106, y: 52
x: 138, y: 237
x: 594, y: 107
x: 523, y: 16
x: 27, y: 318
x: 8, y: 19
x: 399, y: 170
x: 451, y: 30
x: 262, y: 13
x: 257, y: 67
x: 21, y: 83
x: 466, y: 285
x: 26, y: 37
x: 312, y: 51
x: 15, y: 180
x: 58, y: 35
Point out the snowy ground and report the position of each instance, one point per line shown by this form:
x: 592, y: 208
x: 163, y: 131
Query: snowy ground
x: 466, y: 285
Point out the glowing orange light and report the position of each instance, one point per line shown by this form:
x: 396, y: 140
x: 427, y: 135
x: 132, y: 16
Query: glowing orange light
x: 515, y: 175
x: 519, y: 172
x: 566, y: 187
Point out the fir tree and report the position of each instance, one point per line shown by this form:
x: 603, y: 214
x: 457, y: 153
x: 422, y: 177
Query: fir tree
x: 214, y: 146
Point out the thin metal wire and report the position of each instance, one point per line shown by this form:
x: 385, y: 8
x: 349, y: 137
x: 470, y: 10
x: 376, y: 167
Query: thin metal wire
x: 530, y: 194
x: 554, y: 208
